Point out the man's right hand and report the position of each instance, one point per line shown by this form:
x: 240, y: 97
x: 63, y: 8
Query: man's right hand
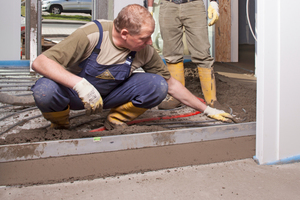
x: 218, y: 114
x: 89, y: 96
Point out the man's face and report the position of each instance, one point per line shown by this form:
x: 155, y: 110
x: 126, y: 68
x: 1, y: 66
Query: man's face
x: 140, y: 41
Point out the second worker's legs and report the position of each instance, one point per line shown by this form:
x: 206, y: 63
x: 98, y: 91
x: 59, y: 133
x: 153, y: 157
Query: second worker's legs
x: 172, y: 33
x: 195, y: 22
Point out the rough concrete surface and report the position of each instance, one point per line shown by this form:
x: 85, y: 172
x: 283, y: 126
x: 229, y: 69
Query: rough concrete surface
x: 241, y: 179
x: 236, y: 93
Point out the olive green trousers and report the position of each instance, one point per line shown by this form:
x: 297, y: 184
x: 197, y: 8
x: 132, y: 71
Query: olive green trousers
x: 191, y: 17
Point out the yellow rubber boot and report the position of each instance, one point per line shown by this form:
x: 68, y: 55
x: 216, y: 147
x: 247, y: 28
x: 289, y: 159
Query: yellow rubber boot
x: 177, y: 72
x: 117, y: 117
x: 208, y: 85
x: 59, y: 120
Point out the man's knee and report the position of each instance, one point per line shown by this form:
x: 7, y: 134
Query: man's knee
x: 162, y: 89
x: 155, y: 93
x: 45, y: 93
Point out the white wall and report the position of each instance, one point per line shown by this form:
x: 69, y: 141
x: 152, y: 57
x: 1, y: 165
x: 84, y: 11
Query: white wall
x: 277, y: 65
x: 10, y: 35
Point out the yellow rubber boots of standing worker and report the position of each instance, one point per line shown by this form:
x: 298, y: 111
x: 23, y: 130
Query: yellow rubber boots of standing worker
x: 59, y: 120
x: 207, y: 81
x: 206, y: 75
x: 117, y: 117
x: 177, y: 72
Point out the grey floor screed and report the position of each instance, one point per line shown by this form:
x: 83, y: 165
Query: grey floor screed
x: 122, y: 142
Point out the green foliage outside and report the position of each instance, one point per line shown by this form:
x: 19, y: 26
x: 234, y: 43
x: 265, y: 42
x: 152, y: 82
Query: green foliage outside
x: 23, y: 10
x: 67, y: 17
x: 61, y: 17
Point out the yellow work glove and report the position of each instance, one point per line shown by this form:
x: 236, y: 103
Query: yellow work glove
x: 150, y: 9
x: 89, y: 96
x: 217, y: 114
x: 213, y: 12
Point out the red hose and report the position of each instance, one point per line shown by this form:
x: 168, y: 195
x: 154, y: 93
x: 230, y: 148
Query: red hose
x: 155, y: 118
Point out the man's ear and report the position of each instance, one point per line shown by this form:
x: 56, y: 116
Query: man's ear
x: 124, y: 34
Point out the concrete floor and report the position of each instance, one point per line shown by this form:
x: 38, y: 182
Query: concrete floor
x: 241, y: 179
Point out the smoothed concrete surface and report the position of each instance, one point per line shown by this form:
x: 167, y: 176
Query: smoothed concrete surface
x: 241, y: 179
x: 108, y: 164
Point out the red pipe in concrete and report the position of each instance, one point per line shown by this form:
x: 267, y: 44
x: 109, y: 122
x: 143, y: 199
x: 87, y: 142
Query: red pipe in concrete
x: 155, y: 118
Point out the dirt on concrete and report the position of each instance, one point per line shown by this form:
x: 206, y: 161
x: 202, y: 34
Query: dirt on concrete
x: 234, y: 96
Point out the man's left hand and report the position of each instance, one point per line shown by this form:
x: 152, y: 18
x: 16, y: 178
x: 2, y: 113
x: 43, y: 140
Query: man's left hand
x: 89, y: 96
x: 213, y: 12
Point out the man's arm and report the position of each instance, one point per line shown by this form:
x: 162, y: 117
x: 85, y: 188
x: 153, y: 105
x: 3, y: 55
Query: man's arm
x: 54, y: 71
x: 88, y: 94
x: 182, y: 94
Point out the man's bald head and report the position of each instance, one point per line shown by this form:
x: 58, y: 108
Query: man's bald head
x: 132, y: 18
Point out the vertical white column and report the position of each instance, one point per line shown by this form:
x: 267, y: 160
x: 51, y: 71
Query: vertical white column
x: 100, y: 9
x: 278, y: 108
x: 234, y: 30
x: 211, y: 31
x: 33, y: 31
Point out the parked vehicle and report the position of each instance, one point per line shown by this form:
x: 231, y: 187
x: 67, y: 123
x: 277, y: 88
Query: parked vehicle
x: 23, y: 23
x: 58, y: 6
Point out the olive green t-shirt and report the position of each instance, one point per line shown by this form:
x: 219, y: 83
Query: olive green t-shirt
x: 80, y: 44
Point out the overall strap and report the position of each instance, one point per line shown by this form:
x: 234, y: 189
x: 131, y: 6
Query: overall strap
x: 97, y: 48
x: 132, y: 54
x: 130, y: 57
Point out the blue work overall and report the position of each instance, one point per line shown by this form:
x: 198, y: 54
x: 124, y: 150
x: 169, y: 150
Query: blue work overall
x: 114, y: 83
